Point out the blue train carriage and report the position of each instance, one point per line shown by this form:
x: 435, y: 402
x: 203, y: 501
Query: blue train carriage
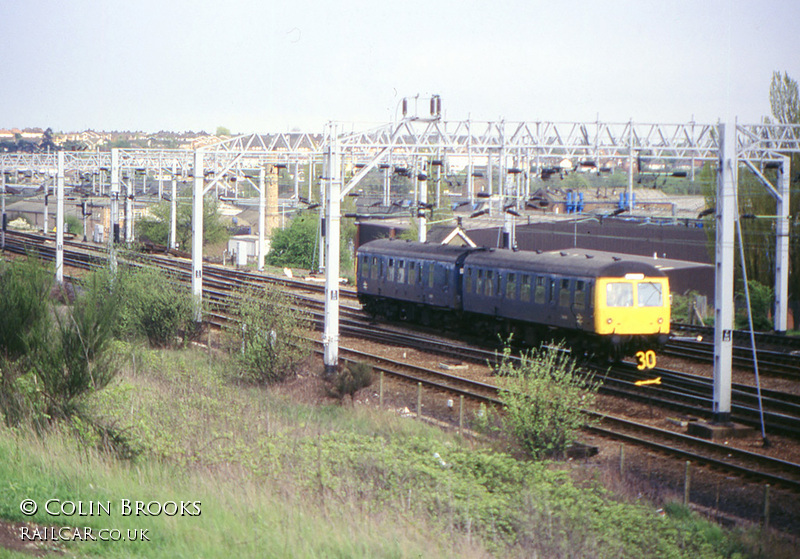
x: 599, y: 303
x: 406, y: 280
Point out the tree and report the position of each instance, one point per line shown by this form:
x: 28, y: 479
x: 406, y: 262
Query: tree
x: 757, y: 207
x: 156, y: 227
x: 783, y: 99
x: 298, y: 245
x: 223, y: 131
x: 785, y: 105
x: 152, y: 305
x: 47, y: 143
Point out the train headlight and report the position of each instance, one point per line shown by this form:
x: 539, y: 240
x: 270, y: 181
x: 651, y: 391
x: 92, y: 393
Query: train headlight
x: 660, y: 320
x: 609, y: 320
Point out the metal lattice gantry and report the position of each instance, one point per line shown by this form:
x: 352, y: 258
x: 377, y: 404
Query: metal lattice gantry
x: 413, y: 142
x: 510, y: 145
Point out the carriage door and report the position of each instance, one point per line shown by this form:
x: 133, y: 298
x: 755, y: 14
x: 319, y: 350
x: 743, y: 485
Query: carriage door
x: 552, y: 299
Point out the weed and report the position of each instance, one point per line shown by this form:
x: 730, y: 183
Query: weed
x: 543, y: 397
x: 350, y: 379
x: 263, y: 338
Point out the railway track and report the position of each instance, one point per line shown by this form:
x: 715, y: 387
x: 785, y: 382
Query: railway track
x: 764, y: 340
x: 784, y: 364
x: 688, y: 395
x: 752, y: 466
x: 221, y: 282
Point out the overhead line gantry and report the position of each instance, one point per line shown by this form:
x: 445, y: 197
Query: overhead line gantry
x: 502, y: 145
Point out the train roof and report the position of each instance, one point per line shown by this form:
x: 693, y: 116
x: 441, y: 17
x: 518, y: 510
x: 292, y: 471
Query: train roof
x: 411, y: 249
x: 572, y: 262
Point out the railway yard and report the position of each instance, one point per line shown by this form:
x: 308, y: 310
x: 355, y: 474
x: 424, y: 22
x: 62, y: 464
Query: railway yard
x: 639, y: 436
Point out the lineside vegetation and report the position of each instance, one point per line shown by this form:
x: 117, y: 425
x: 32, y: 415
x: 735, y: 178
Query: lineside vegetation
x: 543, y: 396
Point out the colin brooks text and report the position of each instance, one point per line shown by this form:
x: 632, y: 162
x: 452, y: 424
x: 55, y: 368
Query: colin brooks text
x: 124, y: 507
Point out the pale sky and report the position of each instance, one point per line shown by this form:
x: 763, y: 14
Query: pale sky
x: 266, y: 66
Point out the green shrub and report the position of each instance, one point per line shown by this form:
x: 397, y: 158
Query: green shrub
x: 24, y: 289
x: 263, y: 336
x: 74, y: 225
x: 761, y: 300
x: 543, y: 397
x: 51, y: 357
x: 71, y: 358
x: 153, y: 306
x: 682, y: 307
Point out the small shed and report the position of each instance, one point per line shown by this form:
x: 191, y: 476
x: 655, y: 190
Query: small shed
x: 244, y: 248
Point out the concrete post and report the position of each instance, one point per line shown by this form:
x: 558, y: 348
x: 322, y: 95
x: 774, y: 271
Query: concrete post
x: 333, y: 179
x: 262, y: 222
x: 422, y: 186
x: 60, y: 219
x: 173, y: 208
x: 782, y: 247
x: 3, y: 223
x: 727, y: 174
x: 130, y: 189
x: 197, y: 236
x: 113, y: 233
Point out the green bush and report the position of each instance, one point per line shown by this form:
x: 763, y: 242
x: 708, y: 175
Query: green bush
x: 51, y: 357
x: 682, y: 310
x: 153, y: 306
x: 543, y: 397
x: 24, y: 286
x: 263, y: 336
x: 24, y: 290
x: 74, y: 225
x: 761, y: 300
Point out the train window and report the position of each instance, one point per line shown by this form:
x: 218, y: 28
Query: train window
x: 619, y: 294
x: 538, y: 292
x: 363, y: 269
x: 563, y: 293
x: 412, y: 273
x: 649, y: 294
x: 580, y: 294
x: 401, y: 271
x: 390, y: 275
x: 431, y: 267
x: 489, y: 282
x: 479, y: 282
x: 468, y: 281
x: 525, y: 289
x: 373, y: 272
x: 552, y: 290
x: 511, y: 286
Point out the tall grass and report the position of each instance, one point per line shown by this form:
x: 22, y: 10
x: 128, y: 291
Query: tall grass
x: 345, y: 480
x: 239, y: 515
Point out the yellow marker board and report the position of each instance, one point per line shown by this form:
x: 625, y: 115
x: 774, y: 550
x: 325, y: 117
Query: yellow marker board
x: 656, y: 380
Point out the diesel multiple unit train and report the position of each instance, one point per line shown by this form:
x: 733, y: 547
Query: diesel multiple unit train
x: 599, y: 303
